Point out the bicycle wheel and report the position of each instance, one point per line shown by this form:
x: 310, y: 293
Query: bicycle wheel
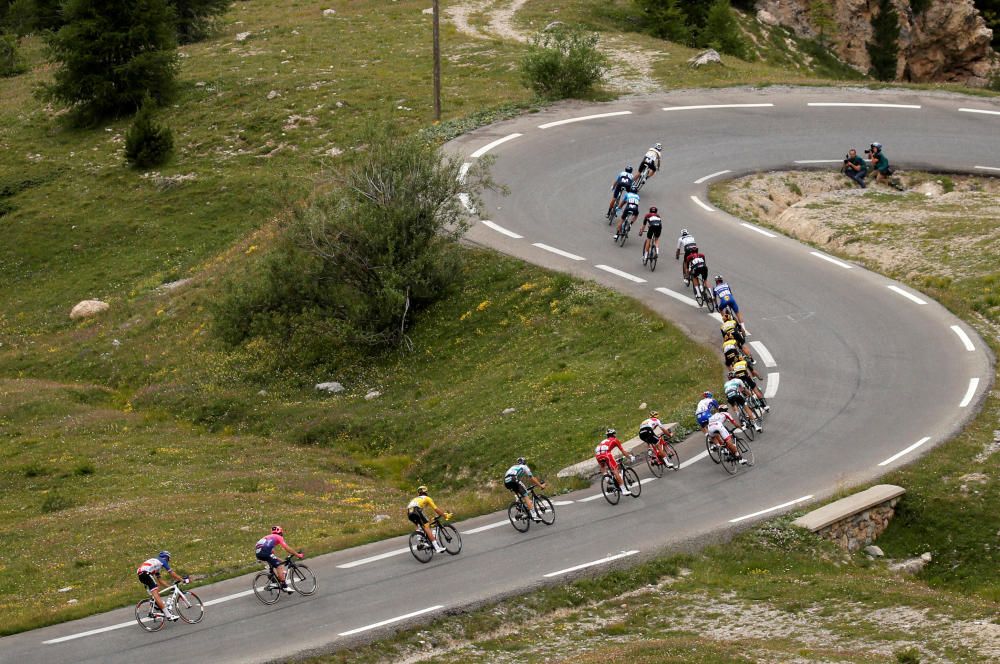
x: 632, y: 483
x: 697, y: 294
x: 450, y: 539
x: 653, y: 461
x: 672, y: 456
x: 189, y: 607
x: 302, y: 579
x: 654, y: 255
x: 709, y: 301
x: 146, y: 618
x: 420, y: 547
x: 744, y: 448
x: 623, y: 236
x: 546, y: 510
x: 729, y: 462
x: 266, y: 588
x: 747, y: 426
x: 518, y: 516
x: 610, y: 489
x: 713, y: 450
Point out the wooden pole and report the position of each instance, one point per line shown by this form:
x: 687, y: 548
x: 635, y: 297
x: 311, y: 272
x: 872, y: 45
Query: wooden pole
x: 437, y: 63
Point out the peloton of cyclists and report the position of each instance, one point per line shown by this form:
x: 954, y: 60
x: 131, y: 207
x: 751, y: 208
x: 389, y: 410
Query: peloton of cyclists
x: 648, y: 435
x: 622, y: 183
x: 630, y: 207
x: 655, y: 224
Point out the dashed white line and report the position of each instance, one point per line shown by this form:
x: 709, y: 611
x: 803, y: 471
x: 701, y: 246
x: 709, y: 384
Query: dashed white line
x: 709, y: 177
x: 861, y: 104
x: 582, y: 118
x: 773, y: 380
x: 909, y: 296
x: 559, y: 252
x: 979, y: 110
x: 703, y: 206
x: 764, y: 353
x: 590, y: 498
x: 818, y: 161
x: 772, y: 509
x: 371, y: 559
x: 677, y: 296
x: 987, y: 168
x: 906, y: 451
x: 757, y: 230
x: 971, y: 392
x: 390, y: 621
x: 489, y: 526
x: 966, y: 341
x: 831, y: 259
x: 463, y: 171
x: 713, y: 106
x: 489, y: 146
x: 500, y: 229
x: 220, y: 600
x: 560, y: 503
x: 608, y: 559
x: 623, y: 275
x: 90, y: 632
x: 694, y: 459
x: 716, y: 315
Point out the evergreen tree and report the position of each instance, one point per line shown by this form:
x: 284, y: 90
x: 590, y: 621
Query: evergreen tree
x: 666, y: 19
x: 147, y: 143
x: 194, y: 17
x: 722, y: 32
x: 112, y: 54
x: 821, y: 16
x: 884, y: 47
x: 11, y: 63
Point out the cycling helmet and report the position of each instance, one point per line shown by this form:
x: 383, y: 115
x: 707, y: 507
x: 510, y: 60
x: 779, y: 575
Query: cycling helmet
x: 521, y: 461
x: 422, y: 490
x: 653, y: 413
x: 723, y: 407
x: 658, y: 146
x: 684, y: 232
x: 164, y: 556
x: 707, y: 395
x: 628, y: 169
x: 610, y: 432
x: 653, y: 210
x: 718, y: 279
x: 877, y: 145
x: 277, y: 530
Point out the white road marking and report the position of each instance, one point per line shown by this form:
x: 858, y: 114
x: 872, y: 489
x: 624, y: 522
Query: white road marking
x: 694, y: 459
x: 463, y: 171
x: 861, y: 104
x: 623, y: 275
x: 500, y: 229
x: 773, y: 379
x: 677, y: 296
x: 818, y: 161
x: 489, y: 146
x: 978, y: 110
x: 909, y: 296
x: 831, y: 259
x: 623, y: 554
x: 560, y: 252
x: 772, y: 509
x: 371, y: 559
x: 764, y: 353
x: 467, y: 202
x: 489, y: 526
x: 971, y: 392
x: 582, y: 118
x: 227, y: 598
x: 390, y: 621
x: 590, y: 498
x: 712, y: 106
x: 906, y: 451
x: 716, y: 315
x: 91, y: 632
x: 703, y: 206
x: 709, y: 177
x: 966, y: 341
x: 987, y: 168
x: 757, y: 230
x: 559, y: 503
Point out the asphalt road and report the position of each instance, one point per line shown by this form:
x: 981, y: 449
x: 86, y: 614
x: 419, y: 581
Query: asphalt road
x: 861, y: 373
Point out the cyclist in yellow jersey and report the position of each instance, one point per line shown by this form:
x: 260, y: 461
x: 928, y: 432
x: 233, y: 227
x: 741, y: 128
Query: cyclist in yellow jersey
x: 744, y: 372
x: 731, y: 330
x: 415, y: 513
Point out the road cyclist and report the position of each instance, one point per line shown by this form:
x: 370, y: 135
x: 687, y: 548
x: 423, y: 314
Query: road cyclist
x: 630, y: 212
x: 720, y: 435
x: 704, y: 410
x: 264, y: 551
x: 687, y: 246
x: 606, y: 459
x: 725, y: 301
x: 655, y: 224
x: 741, y: 369
x: 696, y: 267
x: 654, y: 440
x: 149, y: 576
x: 415, y: 513
x: 736, y: 394
x: 731, y: 330
x: 650, y: 163
x: 514, y: 478
x: 622, y: 184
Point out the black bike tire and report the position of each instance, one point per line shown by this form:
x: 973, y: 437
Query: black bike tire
x: 197, y: 606
x: 713, y: 451
x: 623, y: 236
x: 710, y: 302
x: 745, y: 449
x: 300, y: 577
x: 672, y: 455
x: 655, y: 257
x: 747, y: 426
x: 610, y: 491
x: 260, y: 593
x: 729, y: 463
x: 449, y: 538
x: 143, y: 611
x: 546, y: 510
x: 421, y: 547
x: 631, y: 479
x: 518, y: 514
x: 653, y: 461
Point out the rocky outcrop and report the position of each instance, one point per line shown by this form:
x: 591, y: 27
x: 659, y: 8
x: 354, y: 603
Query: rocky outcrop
x: 947, y: 42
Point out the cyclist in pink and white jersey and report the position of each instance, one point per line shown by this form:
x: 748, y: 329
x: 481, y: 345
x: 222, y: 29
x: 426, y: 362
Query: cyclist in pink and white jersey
x: 264, y: 549
x: 149, y: 576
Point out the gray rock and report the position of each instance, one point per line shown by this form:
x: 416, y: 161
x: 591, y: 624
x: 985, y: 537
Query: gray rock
x: 379, y: 518
x: 242, y: 36
x: 926, y: 556
x: 88, y: 308
x: 552, y: 26
x: 245, y: 529
x: 73, y: 601
x: 65, y: 590
x: 709, y: 56
x: 508, y: 411
x: 332, y: 387
x: 874, y: 551
x: 374, y: 394
x: 273, y: 94
x: 329, y: 12
x: 767, y: 18
x: 174, y: 285
x: 909, y: 566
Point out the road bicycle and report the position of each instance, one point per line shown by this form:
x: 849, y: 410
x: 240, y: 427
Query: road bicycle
x: 520, y: 517
x: 613, y: 212
x: 702, y: 294
x: 748, y: 423
x: 757, y: 407
x: 445, y: 533
x: 720, y: 454
x: 659, y: 461
x: 641, y: 181
x: 622, y: 235
x: 609, y: 485
x: 650, y: 257
x: 185, y: 605
x: 267, y: 587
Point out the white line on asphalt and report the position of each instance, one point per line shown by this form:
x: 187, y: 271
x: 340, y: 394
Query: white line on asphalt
x: 861, y: 104
x: 702, y: 205
x: 489, y: 526
x: 764, y: 353
x: 906, y: 451
x: 677, y: 296
x: 966, y: 341
x: 709, y: 177
x: 694, y: 459
x: 757, y: 230
x: 391, y: 620
x: 590, y: 498
x: 909, y: 296
x: 623, y: 554
x: 500, y: 229
x: 716, y: 315
x: 467, y: 202
x: 220, y: 600
x: 711, y: 106
x: 773, y: 379
x: 371, y: 559
x: 987, y: 168
x: 623, y: 275
x: 979, y: 110
x: 463, y: 171
x: 817, y: 161
x: 559, y: 503
x: 772, y: 509
x: 91, y: 632
x: 971, y: 392
x: 831, y: 259
x: 489, y: 146
x: 560, y: 252
x: 582, y: 118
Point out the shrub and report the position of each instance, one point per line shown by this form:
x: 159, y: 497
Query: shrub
x: 195, y: 17
x: 562, y: 63
x: 147, y: 143
x: 722, y: 32
x: 11, y: 63
x: 55, y: 502
x: 666, y: 19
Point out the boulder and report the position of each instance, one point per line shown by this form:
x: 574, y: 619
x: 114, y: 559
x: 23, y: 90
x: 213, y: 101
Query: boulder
x: 508, y: 411
x: 333, y: 387
x: 767, y: 18
x: 329, y: 12
x: 88, y: 308
x: 273, y: 94
x: 242, y: 36
x: 874, y: 551
x: 552, y: 26
x: 374, y: 394
x: 705, y: 58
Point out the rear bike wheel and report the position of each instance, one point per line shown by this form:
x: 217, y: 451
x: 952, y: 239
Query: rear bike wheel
x: 709, y: 300
x: 610, y: 489
x: 518, y: 515
x: 546, y: 510
x: 623, y: 236
x: 747, y: 426
x: 421, y: 547
x: 448, y: 536
x: 653, y: 461
x: 266, y: 588
x: 302, y: 579
x: 697, y: 294
x: 189, y: 607
x: 744, y: 447
x: 632, y: 483
x: 653, y: 256
x: 144, y: 615
x: 729, y: 462
x: 672, y: 456
x: 714, y: 453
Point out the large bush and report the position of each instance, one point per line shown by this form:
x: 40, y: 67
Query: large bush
x: 195, y: 17
x: 147, y: 143
x: 11, y: 63
x: 666, y: 19
x: 721, y: 30
x: 563, y: 62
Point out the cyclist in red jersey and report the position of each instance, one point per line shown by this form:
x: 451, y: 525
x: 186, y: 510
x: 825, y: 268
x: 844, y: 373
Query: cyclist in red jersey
x: 605, y: 457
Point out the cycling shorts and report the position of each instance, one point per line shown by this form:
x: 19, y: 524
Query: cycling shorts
x: 647, y: 163
x: 647, y: 436
x: 619, y: 188
x: 631, y: 209
x: 416, y: 515
x: 721, y: 430
x: 736, y: 400
x: 700, y: 271
x: 607, y: 459
x: 515, y: 485
x: 147, y: 580
x: 702, y: 417
x: 654, y: 231
x: 690, y: 249
x: 728, y: 303
x: 748, y: 381
x: 269, y: 558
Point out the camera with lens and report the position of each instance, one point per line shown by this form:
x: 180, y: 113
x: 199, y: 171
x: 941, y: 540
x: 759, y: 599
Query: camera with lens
x: 868, y: 152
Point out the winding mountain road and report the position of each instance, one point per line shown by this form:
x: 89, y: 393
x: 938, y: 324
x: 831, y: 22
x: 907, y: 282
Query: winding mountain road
x: 866, y: 374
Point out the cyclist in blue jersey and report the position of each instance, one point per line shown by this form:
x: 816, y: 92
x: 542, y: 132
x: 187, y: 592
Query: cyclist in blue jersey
x: 630, y: 208
x: 622, y: 183
x: 725, y: 301
x: 706, y: 407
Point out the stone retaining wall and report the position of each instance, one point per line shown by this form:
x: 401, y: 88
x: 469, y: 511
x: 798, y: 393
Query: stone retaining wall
x: 856, y: 521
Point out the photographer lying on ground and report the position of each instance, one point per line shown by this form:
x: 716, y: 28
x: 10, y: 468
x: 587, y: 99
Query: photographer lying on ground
x: 855, y: 167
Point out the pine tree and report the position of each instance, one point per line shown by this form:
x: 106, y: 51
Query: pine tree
x: 112, y: 54
x: 147, y: 143
x: 884, y: 47
x: 666, y: 19
x: 821, y: 16
x: 722, y: 32
x: 194, y: 17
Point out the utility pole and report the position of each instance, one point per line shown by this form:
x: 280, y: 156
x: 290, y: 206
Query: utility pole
x: 437, y: 63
